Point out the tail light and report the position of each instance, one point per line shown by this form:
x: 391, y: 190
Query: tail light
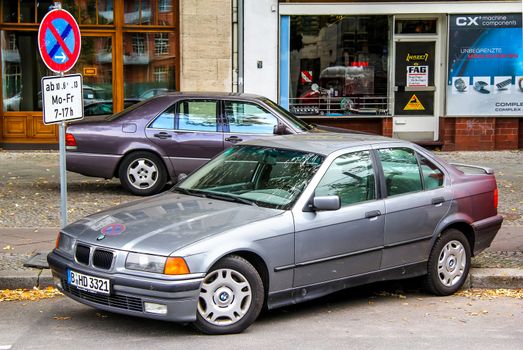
x: 496, y: 198
x: 70, y: 141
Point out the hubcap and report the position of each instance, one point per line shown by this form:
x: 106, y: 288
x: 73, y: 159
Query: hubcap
x: 451, y: 263
x: 142, y: 173
x: 225, y: 297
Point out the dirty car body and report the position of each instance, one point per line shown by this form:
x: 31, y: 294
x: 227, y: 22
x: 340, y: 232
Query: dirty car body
x: 152, y: 142
x: 278, y: 221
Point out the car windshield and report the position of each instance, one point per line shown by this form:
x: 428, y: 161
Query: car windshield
x: 125, y: 111
x: 291, y: 118
x: 262, y: 176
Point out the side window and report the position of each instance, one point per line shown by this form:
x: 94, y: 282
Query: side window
x: 351, y: 177
x: 432, y: 176
x: 401, y: 170
x: 248, y: 118
x: 197, y: 116
x: 164, y: 120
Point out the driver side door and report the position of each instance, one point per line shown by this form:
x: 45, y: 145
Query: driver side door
x: 331, y: 245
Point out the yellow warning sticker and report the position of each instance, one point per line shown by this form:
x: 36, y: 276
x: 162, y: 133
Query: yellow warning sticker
x: 414, y: 104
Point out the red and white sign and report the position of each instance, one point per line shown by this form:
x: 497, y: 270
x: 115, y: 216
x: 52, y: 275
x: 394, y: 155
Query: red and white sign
x: 306, y: 76
x: 59, y: 41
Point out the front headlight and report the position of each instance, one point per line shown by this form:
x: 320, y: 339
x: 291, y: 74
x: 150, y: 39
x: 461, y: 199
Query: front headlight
x: 65, y: 243
x: 156, y: 263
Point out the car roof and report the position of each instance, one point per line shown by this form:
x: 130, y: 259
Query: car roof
x: 322, y: 143
x: 199, y: 94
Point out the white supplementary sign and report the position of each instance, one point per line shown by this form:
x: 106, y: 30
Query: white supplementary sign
x: 62, y: 98
x: 417, y: 75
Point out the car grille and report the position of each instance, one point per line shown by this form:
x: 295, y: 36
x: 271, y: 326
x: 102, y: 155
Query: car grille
x: 102, y: 259
x: 82, y: 254
x: 117, y: 301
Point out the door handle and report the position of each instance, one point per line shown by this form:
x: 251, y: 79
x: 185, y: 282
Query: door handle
x: 372, y: 214
x: 163, y: 135
x: 438, y: 201
x: 233, y: 139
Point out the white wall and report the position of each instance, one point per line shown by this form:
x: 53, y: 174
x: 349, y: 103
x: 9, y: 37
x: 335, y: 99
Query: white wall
x: 261, y: 44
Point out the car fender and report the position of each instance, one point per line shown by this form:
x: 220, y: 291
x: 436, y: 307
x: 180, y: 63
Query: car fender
x: 272, y: 240
x: 453, y: 219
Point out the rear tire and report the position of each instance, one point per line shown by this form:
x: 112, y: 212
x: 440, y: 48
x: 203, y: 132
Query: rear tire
x: 142, y: 173
x: 231, y: 297
x: 449, y: 263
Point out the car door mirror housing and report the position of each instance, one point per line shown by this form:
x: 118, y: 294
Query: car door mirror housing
x: 326, y: 203
x: 181, y: 177
x: 279, y: 129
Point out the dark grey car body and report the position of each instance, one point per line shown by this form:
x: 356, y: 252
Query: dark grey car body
x: 102, y: 144
x: 300, y: 253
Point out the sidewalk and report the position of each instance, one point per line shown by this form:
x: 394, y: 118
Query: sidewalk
x: 500, y: 266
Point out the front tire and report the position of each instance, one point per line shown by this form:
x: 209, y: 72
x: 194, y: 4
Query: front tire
x: 142, y: 173
x: 231, y: 297
x: 449, y: 263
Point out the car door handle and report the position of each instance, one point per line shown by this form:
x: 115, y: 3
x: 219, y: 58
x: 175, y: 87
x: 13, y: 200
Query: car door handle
x: 372, y: 214
x: 438, y: 201
x: 163, y: 135
x: 233, y: 139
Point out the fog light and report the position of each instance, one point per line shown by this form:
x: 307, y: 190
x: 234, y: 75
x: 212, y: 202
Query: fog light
x: 154, y: 308
x: 57, y: 282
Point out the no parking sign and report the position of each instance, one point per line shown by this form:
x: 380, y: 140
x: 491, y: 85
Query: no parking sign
x: 59, y: 41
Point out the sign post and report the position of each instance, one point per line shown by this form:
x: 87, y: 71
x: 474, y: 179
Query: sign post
x: 59, y: 42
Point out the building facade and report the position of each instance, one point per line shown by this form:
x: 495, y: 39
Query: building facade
x: 445, y: 73
x: 130, y: 50
x: 442, y: 73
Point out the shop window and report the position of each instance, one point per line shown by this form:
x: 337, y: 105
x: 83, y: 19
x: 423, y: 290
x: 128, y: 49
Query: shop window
x: 90, y: 11
x: 165, y: 5
x: 338, y: 65
x: 151, y: 70
x: 411, y: 26
x: 22, y: 71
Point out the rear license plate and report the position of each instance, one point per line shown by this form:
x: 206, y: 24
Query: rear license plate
x: 88, y: 283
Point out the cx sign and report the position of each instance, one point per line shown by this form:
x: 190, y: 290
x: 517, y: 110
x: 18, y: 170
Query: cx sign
x: 467, y: 21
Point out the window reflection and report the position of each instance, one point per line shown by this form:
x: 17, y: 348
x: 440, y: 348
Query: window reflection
x: 22, y: 71
x: 149, y: 64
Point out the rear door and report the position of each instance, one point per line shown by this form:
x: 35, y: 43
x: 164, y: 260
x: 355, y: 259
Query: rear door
x: 418, y: 196
x: 189, y: 133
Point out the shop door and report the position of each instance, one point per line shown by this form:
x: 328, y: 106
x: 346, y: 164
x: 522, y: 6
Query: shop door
x: 414, y: 78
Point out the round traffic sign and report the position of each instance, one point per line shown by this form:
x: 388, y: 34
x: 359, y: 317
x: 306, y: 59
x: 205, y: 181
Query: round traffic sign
x: 59, y: 40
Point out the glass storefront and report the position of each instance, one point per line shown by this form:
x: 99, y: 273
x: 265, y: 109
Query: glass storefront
x: 339, y: 65
x: 115, y: 73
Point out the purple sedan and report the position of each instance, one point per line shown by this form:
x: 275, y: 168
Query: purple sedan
x: 153, y: 142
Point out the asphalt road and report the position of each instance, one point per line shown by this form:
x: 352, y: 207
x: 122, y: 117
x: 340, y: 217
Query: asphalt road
x: 355, y: 319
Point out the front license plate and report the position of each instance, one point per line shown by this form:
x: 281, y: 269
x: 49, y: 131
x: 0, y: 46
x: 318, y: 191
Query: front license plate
x: 88, y: 283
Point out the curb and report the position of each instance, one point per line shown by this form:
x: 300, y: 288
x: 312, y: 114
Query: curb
x: 485, y: 278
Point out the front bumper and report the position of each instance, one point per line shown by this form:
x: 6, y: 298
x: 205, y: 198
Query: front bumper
x: 129, y: 292
x: 485, y: 231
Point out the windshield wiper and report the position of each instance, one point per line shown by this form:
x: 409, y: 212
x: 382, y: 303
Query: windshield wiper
x: 189, y: 192
x: 229, y: 197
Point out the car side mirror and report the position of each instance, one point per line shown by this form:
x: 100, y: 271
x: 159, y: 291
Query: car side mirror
x: 279, y: 129
x: 326, y: 203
